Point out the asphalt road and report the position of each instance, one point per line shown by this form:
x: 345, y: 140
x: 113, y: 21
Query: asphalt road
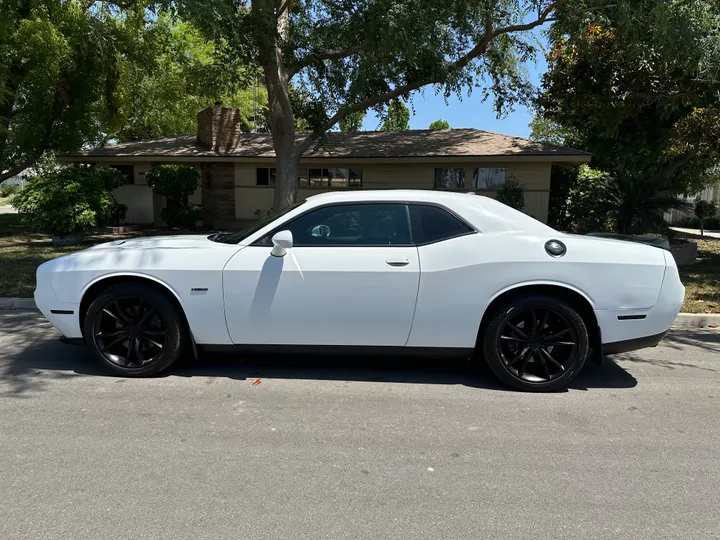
x: 345, y: 448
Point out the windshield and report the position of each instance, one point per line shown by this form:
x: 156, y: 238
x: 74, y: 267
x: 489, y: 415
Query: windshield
x: 237, y: 237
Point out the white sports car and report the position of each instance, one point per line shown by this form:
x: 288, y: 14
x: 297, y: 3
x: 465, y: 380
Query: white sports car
x: 417, y: 272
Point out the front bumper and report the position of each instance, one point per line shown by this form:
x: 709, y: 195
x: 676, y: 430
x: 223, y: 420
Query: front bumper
x: 64, y: 316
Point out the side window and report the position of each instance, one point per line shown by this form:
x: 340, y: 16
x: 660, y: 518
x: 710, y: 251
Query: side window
x: 433, y: 224
x: 351, y: 225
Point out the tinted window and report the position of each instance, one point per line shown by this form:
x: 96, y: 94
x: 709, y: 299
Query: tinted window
x: 432, y: 224
x: 352, y: 225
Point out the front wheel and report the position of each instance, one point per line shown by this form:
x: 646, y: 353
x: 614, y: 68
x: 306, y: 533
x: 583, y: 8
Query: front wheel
x: 134, y: 330
x: 536, y: 343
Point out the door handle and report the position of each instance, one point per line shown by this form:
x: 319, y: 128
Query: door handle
x: 398, y: 262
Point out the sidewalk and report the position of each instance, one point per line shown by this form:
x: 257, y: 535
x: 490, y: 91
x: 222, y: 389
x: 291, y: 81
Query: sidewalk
x: 696, y: 232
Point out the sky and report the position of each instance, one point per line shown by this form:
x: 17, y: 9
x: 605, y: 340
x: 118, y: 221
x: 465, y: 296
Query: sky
x: 471, y: 112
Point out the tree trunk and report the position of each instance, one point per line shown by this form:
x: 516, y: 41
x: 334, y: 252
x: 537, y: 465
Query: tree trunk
x: 271, y: 27
x: 286, y: 174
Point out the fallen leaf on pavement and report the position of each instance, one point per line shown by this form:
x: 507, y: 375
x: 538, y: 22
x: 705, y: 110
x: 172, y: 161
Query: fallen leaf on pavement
x: 256, y: 382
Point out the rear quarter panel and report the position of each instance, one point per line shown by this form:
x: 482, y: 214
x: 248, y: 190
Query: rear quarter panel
x: 460, y: 277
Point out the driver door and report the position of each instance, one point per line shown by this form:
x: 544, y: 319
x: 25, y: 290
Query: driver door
x: 351, y: 278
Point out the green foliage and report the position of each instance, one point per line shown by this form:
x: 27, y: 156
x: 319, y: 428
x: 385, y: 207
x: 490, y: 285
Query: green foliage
x: 352, y: 122
x: 546, y: 131
x: 591, y: 200
x: 651, y: 119
x: 185, y: 217
x: 177, y: 183
x: 58, y: 69
x: 397, y: 117
x: 9, y: 190
x: 512, y: 194
x: 439, y: 124
x: 169, y: 73
x: 69, y: 200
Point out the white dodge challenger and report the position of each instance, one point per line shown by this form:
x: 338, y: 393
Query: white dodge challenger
x: 414, y: 272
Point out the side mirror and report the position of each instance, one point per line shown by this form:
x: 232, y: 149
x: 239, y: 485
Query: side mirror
x: 282, y: 241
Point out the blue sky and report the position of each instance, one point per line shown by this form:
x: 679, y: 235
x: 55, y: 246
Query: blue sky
x: 471, y: 112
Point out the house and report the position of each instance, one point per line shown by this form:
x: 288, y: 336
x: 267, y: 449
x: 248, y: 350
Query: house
x: 237, y: 169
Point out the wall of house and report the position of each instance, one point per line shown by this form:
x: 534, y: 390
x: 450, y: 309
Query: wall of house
x: 144, y: 206
x: 252, y: 200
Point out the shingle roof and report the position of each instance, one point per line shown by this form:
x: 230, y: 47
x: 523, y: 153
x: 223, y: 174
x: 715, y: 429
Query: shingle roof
x: 363, y: 144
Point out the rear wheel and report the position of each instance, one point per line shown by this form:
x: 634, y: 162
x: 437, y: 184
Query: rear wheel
x: 537, y: 343
x: 134, y: 330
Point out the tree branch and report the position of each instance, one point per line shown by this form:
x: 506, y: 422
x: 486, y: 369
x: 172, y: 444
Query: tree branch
x: 313, y: 57
x: 478, y: 50
x: 9, y: 173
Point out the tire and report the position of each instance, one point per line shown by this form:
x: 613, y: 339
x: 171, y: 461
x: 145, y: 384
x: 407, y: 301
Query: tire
x: 536, y: 343
x: 135, y: 330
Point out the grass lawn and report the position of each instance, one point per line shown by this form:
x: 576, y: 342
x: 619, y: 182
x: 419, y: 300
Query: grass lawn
x: 702, y: 280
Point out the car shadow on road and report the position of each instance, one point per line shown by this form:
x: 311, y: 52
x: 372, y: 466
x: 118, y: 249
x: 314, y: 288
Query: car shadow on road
x: 26, y: 369
x: 382, y: 370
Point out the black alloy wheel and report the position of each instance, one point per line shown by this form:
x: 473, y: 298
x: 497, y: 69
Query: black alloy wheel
x: 129, y: 332
x: 134, y: 330
x: 536, y: 343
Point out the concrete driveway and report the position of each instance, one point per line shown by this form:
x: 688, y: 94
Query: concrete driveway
x: 344, y: 448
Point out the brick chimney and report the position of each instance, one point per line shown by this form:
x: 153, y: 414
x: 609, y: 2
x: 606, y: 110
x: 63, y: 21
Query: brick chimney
x: 219, y: 128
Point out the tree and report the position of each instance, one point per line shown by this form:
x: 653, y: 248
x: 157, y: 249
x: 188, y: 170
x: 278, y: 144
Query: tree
x: 353, y: 56
x: 704, y: 210
x: 651, y: 120
x: 439, y: 125
x: 546, y: 131
x: 352, y: 122
x: 167, y: 73
x: 397, y: 117
x: 53, y: 78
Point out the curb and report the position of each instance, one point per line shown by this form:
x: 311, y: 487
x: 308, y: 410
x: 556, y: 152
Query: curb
x: 17, y: 303
x: 696, y: 320
x: 683, y: 320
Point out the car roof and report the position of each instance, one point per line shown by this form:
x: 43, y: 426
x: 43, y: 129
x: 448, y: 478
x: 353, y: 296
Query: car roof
x: 405, y: 195
x: 484, y: 213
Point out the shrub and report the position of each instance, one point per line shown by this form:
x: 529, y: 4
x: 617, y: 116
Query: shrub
x: 8, y: 190
x: 588, y: 201
x: 177, y: 183
x: 69, y: 200
x: 512, y: 194
x: 185, y: 217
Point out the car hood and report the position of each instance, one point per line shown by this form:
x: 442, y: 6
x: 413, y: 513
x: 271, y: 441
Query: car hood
x: 188, y: 241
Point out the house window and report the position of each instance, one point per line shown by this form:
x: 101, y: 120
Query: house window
x: 355, y: 178
x: 128, y: 171
x: 333, y: 178
x: 449, y: 178
x: 318, y: 177
x: 265, y: 176
x: 488, y: 178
